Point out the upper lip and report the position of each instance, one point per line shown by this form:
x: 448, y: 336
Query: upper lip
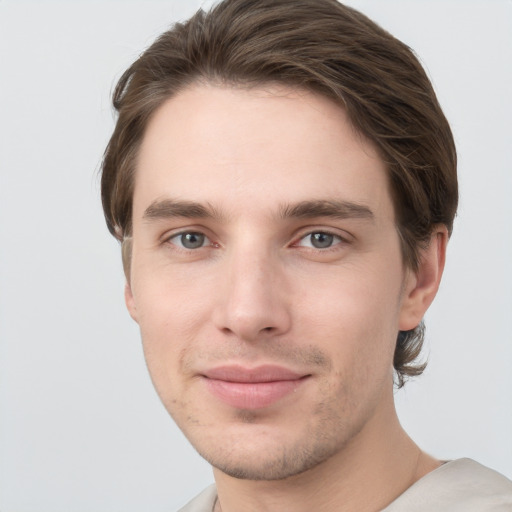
x: 264, y: 373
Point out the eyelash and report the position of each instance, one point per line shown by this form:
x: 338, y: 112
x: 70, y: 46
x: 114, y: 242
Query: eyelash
x: 181, y: 234
x: 337, y: 240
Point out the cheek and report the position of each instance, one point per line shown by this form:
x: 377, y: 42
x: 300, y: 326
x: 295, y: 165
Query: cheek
x: 170, y: 317
x: 170, y: 301
x: 356, y: 329
x: 355, y: 316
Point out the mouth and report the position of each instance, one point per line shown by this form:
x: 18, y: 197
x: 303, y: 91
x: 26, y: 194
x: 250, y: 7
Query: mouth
x: 252, y: 388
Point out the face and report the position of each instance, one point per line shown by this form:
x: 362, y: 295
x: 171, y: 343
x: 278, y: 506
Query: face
x: 266, y: 277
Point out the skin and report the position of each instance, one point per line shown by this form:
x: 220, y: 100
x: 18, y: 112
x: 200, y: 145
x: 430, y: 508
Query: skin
x: 261, y: 281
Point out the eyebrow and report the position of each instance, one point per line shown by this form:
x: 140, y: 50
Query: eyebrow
x: 172, y: 208
x: 327, y: 208
x: 337, y: 209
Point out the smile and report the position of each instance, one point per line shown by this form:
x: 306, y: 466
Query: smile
x: 252, y: 388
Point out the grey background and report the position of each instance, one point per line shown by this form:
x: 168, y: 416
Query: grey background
x: 81, y: 428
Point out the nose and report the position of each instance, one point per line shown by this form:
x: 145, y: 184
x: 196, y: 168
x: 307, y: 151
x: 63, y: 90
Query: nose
x: 252, y: 302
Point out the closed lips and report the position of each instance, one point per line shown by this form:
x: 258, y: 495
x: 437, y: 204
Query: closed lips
x: 255, y: 388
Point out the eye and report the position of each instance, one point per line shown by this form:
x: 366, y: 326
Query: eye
x: 190, y: 240
x: 319, y: 240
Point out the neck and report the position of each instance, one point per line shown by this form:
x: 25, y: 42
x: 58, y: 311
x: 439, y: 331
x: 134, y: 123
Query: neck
x: 371, y: 471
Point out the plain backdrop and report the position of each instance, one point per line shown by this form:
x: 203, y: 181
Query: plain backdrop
x: 81, y: 428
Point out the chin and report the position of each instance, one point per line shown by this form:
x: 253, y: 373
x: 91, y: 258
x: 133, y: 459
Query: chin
x: 268, y: 457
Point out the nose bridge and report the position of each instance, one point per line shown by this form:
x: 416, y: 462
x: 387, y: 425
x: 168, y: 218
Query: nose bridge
x: 251, y: 304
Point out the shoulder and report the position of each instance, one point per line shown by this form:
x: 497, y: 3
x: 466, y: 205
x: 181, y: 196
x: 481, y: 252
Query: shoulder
x: 459, y: 485
x: 203, y: 502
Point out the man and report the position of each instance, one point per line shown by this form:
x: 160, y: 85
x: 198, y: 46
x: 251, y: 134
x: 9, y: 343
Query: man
x: 283, y: 182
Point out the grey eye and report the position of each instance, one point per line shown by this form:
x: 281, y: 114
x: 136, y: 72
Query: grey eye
x: 321, y: 240
x: 190, y: 240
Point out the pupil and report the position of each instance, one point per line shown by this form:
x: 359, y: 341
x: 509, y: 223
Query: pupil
x: 321, y: 240
x: 192, y: 240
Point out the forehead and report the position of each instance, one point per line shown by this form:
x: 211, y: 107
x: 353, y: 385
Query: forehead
x: 260, y: 145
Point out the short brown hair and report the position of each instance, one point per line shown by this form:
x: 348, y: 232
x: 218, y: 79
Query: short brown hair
x: 324, y: 47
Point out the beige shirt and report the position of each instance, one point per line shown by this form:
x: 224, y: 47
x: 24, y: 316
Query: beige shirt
x: 461, y: 485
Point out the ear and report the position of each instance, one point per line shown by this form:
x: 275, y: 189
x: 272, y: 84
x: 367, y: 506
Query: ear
x: 130, y: 301
x: 420, y: 287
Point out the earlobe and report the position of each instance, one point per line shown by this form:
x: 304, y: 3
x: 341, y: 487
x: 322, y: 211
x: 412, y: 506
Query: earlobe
x: 421, y: 286
x: 130, y: 301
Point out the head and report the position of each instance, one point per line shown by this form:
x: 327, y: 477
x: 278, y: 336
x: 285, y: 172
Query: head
x: 319, y: 52
x: 320, y: 46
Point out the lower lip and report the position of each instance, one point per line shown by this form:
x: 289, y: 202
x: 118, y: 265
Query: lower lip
x: 251, y: 395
